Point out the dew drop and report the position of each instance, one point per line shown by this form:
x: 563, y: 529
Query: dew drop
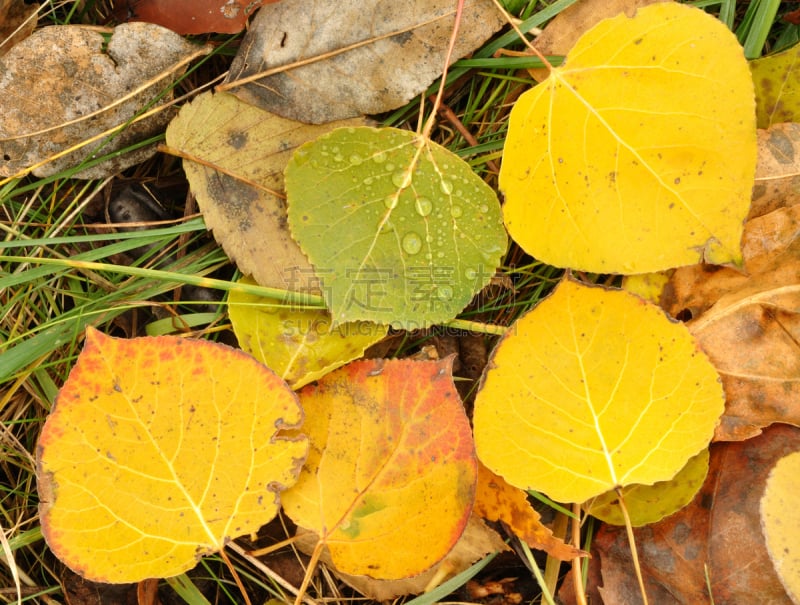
x: 456, y: 211
x: 484, y: 208
x: 338, y: 157
x: 390, y: 201
x: 491, y: 253
x: 379, y: 158
x: 444, y: 293
x: 389, y: 166
x: 385, y: 227
x: 401, y: 179
x: 446, y: 186
x: 356, y: 160
x: 412, y: 243
x: 471, y: 273
x: 424, y: 206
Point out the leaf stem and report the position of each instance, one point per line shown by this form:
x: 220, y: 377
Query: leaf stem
x: 426, y: 130
x: 632, y: 542
x: 236, y: 577
x: 312, y: 565
x: 522, y: 37
x: 577, y: 565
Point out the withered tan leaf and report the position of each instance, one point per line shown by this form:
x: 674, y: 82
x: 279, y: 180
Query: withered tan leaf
x: 778, y: 169
x: 336, y: 60
x: 748, y: 323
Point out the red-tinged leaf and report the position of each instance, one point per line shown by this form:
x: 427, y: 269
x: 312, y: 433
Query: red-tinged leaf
x: 191, y: 16
x: 390, y: 479
x: 160, y: 450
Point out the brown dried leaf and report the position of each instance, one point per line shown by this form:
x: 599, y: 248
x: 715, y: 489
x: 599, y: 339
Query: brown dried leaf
x: 749, y: 324
x: 17, y: 22
x: 359, y: 58
x: 84, y: 87
x: 778, y: 169
x: 720, y: 530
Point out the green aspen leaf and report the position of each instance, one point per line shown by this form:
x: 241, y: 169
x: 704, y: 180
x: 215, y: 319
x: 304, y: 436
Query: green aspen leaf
x: 777, y: 82
x: 297, y: 344
x: 399, y: 229
x: 638, y: 154
x: 650, y: 503
x: 592, y: 390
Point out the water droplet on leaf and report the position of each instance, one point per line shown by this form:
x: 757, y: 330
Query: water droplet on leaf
x: 444, y: 292
x: 424, y: 206
x: 412, y: 243
x: 390, y: 201
x: 446, y: 186
x: 401, y: 179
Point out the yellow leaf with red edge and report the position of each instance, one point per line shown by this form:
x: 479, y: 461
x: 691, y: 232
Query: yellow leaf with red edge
x: 591, y: 390
x: 637, y: 154
x: 497, y: 500
x: 160, y: 450
x: 390, y: 478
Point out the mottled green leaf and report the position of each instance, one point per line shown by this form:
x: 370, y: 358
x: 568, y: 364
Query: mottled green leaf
x: 399, y: 229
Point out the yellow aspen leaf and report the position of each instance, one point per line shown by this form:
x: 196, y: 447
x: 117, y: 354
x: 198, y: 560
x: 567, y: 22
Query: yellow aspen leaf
x: 591, y: 390
x: 496, y: 500
x: 648, y: 504
x: 649, y: 286
x: 780, y: 521
x: 159, y: 451
x: 389, y: 482
x: 298, y: 344
x: 638, y: 154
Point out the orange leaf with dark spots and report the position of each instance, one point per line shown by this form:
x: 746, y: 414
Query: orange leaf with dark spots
x: 160, y: 450
x: 497, y: 500
x: 390, y: 479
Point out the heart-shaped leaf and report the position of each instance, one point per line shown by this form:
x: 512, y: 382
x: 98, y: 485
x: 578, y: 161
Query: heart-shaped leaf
x: 390, y: 478
x: 637, y: 154
x: 160, y: 450
x: 591, y: 390
x: 399, y: 229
